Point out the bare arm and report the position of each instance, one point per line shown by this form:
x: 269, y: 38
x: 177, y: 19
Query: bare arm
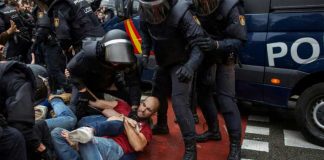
x: 136, y: 139
x: 110, y: 113
x: 103, y: 104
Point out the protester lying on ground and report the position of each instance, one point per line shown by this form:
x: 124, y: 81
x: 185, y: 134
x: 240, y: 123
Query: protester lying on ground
x: 97, y: 142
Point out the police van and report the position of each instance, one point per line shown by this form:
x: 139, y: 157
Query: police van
x: 282, y: 61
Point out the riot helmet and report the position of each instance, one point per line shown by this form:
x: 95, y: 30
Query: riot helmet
x: 117, y: 48
x: 205, y: 7
x: 40, y: 76
x: 154, y: 11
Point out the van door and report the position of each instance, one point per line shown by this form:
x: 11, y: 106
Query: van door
x: 249, y: 77
x: 295, y: 38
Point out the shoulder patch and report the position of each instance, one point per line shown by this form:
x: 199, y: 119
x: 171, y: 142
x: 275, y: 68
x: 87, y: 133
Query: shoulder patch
x: 56, y: 22
x: 196, y: 20
x: 242, y: 20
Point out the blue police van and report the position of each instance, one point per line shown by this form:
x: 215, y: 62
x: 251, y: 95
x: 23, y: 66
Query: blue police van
x: 282, y: 61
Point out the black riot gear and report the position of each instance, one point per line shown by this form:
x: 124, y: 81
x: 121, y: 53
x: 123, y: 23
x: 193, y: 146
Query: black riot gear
x: 156, y: 11
x: 178, y: 57
x: 117, y: 47
x: 226, y: 34
x: 205, y: 7
x: 40, y: 74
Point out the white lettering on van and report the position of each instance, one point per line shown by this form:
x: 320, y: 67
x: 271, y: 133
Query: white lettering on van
x: 294, y: 51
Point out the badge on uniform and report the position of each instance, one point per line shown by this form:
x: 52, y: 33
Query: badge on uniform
x: 242, y: 20
x: 56, y: 22
x: 196, y: 20
x: 40, y: 14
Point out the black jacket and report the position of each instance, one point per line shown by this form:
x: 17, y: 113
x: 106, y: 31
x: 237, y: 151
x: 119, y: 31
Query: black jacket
x: 173, y: 40
x: 88, y: 70
x: 73, y: 21
x: 17, y: 86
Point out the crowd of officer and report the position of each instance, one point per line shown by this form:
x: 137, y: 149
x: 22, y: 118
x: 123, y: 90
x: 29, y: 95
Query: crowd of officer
x: 195, y: 44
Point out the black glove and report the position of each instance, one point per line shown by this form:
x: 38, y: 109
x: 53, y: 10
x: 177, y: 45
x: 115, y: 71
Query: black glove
x: 144, y: 60
x: 184, y: 74
x: 206, y: 44
x: 133, y: 114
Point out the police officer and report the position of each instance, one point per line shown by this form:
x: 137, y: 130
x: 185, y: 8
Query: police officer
x: 96, y: 67
x: 73, y: 21
x: 47, y: 49
x: 225, y: 23
x: 169, y: 27
x: 17, y: 86
x: 20, y: 43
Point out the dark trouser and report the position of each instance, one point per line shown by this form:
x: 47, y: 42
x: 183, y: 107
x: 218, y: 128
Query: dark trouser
x: 42, y: 131
x: 55, y: 61
x: 225, y: 95
x: 165, y: 80
x: 206, y: 79
x: 12, y: 144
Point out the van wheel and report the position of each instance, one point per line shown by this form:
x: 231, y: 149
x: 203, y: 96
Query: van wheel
x: 310, y: 113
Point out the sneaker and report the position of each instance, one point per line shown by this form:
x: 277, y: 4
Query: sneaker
x: 81, y: 135
x: 66, y: 97
x: 40, y: 112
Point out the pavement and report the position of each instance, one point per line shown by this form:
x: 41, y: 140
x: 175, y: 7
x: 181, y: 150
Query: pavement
x: 267, y: 135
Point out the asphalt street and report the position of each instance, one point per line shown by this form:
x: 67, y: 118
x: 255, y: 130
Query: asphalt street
x: 272, y: 134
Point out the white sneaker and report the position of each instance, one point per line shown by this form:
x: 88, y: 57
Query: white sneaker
x: 40, y: 112
x: 81, y: 135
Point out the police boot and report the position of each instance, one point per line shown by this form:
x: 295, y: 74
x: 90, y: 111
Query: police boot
x: 235, y: 148
x: 214, y: 135
x: 190, y: 150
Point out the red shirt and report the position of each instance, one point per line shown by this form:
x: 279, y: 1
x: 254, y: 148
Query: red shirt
x: 123, y: 108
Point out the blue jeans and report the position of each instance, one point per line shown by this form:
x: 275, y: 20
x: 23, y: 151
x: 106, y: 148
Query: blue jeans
x: 101, y: 149
x: 98, y: 149
x: 102, y: 126
x: 65, y: 118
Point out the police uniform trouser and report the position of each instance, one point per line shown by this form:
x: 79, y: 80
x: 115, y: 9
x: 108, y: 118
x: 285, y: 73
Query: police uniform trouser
x: 55, y: 62
x: 165, y: 80
x: 206, y: 79
x: 12, y: 144
x: 225, y: 95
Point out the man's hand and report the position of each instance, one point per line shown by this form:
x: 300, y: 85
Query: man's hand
x: 13, y: 28
x: 41, y: 147
x: 131, y: 123
x: 32, y: 58
x: 67, y: 73
x: 184, y: 74
x: 206, y: 44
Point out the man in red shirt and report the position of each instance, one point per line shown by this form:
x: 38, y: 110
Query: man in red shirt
x: 135, y: 136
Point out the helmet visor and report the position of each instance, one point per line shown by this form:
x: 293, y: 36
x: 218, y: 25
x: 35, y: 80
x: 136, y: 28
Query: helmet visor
x: 155, y: 12
x: 205, y: 7
x: 119, y: 51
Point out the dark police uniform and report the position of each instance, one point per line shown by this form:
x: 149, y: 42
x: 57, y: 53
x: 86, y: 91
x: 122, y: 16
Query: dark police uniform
x: 73, y: 21
x: 88, y: 71
x: 226, y: 26
x: 172, y: 42
x: 46, y: 48
x: 20, y: 43
x: 17, y: 86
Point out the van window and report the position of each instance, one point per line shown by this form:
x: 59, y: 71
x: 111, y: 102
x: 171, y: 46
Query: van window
x: 297, y: 5
x: 255, y: 6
